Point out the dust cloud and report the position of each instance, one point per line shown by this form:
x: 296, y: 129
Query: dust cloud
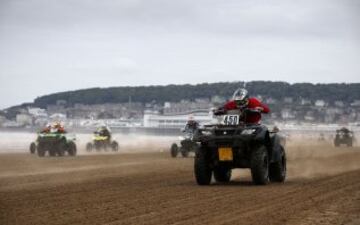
x: 19, y: 142
x: 306, y: 156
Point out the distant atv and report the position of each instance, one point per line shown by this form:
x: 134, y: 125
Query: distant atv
x: 187, y: 145
x: 233, y: 144
x: 53, y: 143
x: 101, y: 143
x: 344, y: 136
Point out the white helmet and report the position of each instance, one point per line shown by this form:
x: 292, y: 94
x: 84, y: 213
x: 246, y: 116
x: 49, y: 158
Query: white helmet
x: 241, y: 97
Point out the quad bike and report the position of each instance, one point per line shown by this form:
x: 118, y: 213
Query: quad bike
x: 102, y: 143
x: 53, y: 143
x: 187, y: 145
x: 344, y: 136
x: 233, y: 144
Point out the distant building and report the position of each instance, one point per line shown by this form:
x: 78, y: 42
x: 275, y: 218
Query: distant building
x: 186, y: 107
x: 320, y: 103
x: 309, y: 116
x: 288, y: 100
x: 2, y: 120
x: 167, y: 105
x: 339, y: 103
x: 37, y: 112
x: 305, y: 102
x: 24, y: 119
x: 154, y: 119
x: 216, y: 99
x: 287, y: 114
x: 355, y: 103
x: 270, y: 101
x: 58, y: 117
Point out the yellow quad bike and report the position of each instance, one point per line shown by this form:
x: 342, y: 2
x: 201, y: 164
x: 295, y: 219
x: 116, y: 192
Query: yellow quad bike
x: 102, y: 143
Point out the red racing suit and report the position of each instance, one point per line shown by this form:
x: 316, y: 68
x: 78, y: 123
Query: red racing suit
x: 253, y: 104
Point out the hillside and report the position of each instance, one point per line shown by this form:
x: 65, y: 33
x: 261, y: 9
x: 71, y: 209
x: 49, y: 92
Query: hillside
x: 175, y: 93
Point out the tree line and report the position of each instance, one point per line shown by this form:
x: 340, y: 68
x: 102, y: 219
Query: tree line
x: 175, y: 93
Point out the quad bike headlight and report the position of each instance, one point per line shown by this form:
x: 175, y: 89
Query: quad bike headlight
x: 248, y: 131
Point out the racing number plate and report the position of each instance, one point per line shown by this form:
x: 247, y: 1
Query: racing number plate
x: 225, y: 154
x: 231, y: 120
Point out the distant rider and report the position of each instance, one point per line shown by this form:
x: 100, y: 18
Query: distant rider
x: 59, y: 128
x: 241, y: 101
x: 191, y: 125
x: 104, y: 131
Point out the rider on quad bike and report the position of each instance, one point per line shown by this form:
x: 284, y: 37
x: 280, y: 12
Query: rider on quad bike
x: 238, y: 140
x: 53, y: 128
x: 102, y: 140
x: 53, y: 139
x: 187, y: 144
x: 191, y: 125
x: 104, y: 132
x: 241, y: 101
x: 58, y: 128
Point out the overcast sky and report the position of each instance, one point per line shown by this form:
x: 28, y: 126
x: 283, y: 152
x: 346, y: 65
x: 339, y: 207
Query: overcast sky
x: 48, y: 46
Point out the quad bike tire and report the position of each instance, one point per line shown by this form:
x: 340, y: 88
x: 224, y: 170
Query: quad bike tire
x: 72, y: 149
x: 32, y: 148
x: 61, y: 148
x: 184, y: 152
x: 277, y: 171
x: 41, y: 152
x: 260, y: 165
x: 202, y: 168
x: 114, y: 146
x: 174, y: 150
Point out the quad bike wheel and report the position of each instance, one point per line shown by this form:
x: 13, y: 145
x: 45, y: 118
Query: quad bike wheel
x: 72, y: 149
x: 202, y: 168
x: 184, y: 152
x: 114, y: 146
x: 260, y: 165
x: 174, y: 150
x: 277, y: 171
x: 61, y: 148
x: 32, y: 148
x: 41, y: 150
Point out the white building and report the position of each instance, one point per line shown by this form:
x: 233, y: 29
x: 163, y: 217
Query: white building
x: 287, y: 114
x: 320, y: 103
x: 58, y: 117
x: 24, y: 119
x: 355, y: 103
x: 339, y: 103
x: 37, y: 112
x: 154, y: 119
x: 305, y: 101
x: 2, y: 119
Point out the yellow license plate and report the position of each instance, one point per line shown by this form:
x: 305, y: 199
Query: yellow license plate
x: 225, y: 154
